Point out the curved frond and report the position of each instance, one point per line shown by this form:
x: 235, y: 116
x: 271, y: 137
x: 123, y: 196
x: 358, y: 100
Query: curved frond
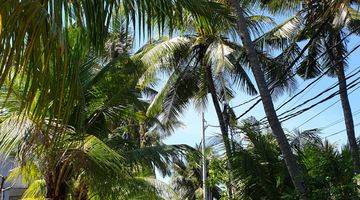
x: 175, y: 96
x: 35, y: 191
x: 156, y: 56
x: 159, y: 156
x: 281, y: 35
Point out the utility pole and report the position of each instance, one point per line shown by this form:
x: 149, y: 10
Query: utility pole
x: 2, y: 182
x: 204, y: 174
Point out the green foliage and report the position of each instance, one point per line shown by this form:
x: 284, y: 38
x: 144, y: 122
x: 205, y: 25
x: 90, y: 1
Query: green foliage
x: 36, y: 45
x: 261, y: 173
x: 187, y: 176
x: 81, y: 117
x: 77, y: 155
x: 330, y: 173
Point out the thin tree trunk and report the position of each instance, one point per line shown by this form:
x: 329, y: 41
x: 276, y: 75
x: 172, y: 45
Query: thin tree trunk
x: 349, y: 122
x: 290, y: 160
x: 222, y: 122
x: 338, y: 61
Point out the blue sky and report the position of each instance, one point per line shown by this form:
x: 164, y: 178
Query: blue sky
x: 191, y: 133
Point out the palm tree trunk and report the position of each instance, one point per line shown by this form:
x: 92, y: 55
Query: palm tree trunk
x: 349, y: 122
x: 338, y: 61
x: 222, y: 122
x: 55, y: 189
x: 290, y: 160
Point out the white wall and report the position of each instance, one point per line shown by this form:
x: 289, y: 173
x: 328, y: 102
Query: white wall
x: 17, y: 188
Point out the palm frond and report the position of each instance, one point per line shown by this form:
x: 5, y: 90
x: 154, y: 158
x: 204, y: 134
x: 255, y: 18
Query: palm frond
x: 175, y: 96
x: 36, y: 190
x: 159, y: 156
x: 310, y: 66
x: 14, y: 134
x: 28, y: 173
x: 155, y: 55
x: 241, y: 78
x: 258, y: 23
x: 281, y: 35
x: 35, y: 41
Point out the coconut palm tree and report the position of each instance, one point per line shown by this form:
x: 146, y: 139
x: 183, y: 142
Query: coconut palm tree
x: 197, y: 64
x: 260, y: 162
x: 258, y: 71
x: 324, y: 24
x: 107, y: 148
x: 87, y: 161
x: 206, y: 62
x: 35, y: 42
x: 340, y: 18
x: 200, y: 62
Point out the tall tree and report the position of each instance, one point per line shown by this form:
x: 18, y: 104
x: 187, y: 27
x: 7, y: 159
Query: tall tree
x: 336, y: 19
x: 326, y: 25
x: 187, y: 176
x: 255, y: 64
x: 34, y: 42
x: 99, y: 148
x: 198, y: 64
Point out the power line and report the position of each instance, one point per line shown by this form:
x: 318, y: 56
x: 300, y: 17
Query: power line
x: 319, y: 113
x: 284, y: 117
x: 336, y: 133
x: 324, y: 73
x: 249, y: 109
x: 357, y: 112
x: 302, y: 96
x: 324, y: 53
x: 246, y: 102
x: 323, y: 92
x: 290, y: 116
x: 321, y: 55
x: 297, y: 59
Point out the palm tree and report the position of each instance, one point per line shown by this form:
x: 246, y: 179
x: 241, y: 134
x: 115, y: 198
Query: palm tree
x: 329, y: 171
x: 326, y: 47
x: 260, y: 169
x: 99, y: 151
x: 77, y: 167
x: 256, y: 66
x: 35, y: 42
x: 336, y: 18
x: 197, y: 63
x: 182, y: 57
x: 300, y: 139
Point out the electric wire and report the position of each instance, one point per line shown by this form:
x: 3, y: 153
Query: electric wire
x: 336, y: 133
x: 357, y: 112
x: 324, y: 73
x: 318, y: 103
x: 292, y: 64
x: 257, y: 102
x: 323, y: 92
